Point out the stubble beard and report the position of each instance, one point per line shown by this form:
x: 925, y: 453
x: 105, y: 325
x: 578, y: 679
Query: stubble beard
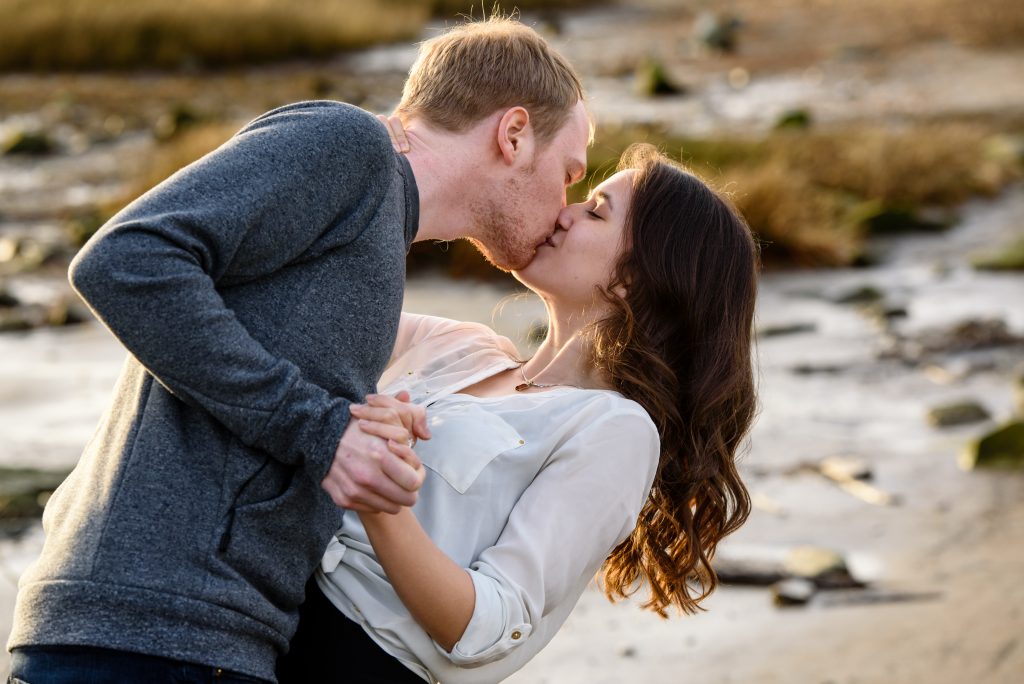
x: 497, y: 240
x: 501, y: 230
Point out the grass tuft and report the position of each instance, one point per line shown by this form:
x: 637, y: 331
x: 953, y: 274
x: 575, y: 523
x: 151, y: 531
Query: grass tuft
x: 170, y: 34
x: 813, y: 197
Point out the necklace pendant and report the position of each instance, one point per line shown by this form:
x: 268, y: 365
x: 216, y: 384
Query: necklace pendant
x: 523, y: 386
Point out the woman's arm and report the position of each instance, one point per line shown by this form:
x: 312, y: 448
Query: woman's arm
x: 578, y: 508
x: 438, y: 593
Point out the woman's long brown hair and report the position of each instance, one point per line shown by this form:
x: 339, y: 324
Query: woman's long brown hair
x: 678, y: 342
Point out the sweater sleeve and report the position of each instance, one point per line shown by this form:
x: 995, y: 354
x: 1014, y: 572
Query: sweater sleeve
x: 579, y: 507
x: 268, y: 197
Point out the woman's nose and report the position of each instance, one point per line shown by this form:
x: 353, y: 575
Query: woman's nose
x: 565, y: 216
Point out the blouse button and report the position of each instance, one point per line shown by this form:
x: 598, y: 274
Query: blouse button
x: 522, y: 442
x: 516, y: 635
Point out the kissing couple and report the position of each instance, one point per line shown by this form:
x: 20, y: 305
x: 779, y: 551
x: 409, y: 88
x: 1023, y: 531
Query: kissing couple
x: 295, y: 481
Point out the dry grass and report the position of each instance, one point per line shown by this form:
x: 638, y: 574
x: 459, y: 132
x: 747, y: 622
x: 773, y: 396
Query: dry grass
x: 985, y: 23
x: 887, y: 23
x: 794, y: 222
x: 811, y: 197
x: 75, y: 35
x: 941, y: 164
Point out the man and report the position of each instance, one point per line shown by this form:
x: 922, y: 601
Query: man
x: 258, y: 292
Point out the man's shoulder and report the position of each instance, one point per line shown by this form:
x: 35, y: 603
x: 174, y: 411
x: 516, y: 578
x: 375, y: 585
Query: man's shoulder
x: 326, y: 110
x: 332, y: 119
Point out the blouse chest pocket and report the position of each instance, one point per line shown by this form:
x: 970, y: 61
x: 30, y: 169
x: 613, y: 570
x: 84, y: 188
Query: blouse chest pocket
x: 466, y: 438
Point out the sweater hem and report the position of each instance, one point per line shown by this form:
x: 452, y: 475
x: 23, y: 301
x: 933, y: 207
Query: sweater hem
x: 138, y: 620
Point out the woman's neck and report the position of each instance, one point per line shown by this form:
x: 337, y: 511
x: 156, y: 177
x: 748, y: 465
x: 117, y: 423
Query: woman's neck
x: 562, y: 358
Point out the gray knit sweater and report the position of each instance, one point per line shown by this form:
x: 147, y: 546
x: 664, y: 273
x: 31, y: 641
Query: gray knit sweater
x: 258, y: 292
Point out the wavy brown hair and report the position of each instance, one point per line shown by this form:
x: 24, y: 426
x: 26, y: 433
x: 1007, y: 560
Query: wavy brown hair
x: 678, y: 341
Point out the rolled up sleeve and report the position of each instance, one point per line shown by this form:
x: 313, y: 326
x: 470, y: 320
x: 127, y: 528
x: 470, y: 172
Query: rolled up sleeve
x: 498, y: 625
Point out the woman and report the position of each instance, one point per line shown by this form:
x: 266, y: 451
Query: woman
x: 612, y: 448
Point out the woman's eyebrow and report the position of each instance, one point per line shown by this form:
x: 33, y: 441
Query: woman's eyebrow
x: 606, y: 198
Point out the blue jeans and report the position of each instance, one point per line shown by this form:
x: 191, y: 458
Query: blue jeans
x: 88, y: 665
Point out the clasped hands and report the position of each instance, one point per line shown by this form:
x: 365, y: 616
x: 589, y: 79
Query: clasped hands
x: 375, y: 469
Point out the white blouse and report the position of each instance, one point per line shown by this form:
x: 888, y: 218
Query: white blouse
x: 528, y: 492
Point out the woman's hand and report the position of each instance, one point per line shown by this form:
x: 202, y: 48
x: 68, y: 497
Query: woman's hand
x: 395, y: 420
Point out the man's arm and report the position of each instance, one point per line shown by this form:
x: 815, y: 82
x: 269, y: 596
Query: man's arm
x: 252, y: 206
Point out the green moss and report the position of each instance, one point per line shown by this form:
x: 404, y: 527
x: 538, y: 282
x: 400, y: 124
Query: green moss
x: 1009, y: 258
x: 650, y: 80
x: 883, y: 219
x: 23, y: 491
x: 1001, y: 448
x: 795, y: 118
x: 27, y: 143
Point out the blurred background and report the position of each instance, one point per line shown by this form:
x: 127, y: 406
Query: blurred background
x: 875, y: 146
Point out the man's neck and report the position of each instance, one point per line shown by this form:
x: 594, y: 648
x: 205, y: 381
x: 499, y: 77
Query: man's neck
x: 447, y: 177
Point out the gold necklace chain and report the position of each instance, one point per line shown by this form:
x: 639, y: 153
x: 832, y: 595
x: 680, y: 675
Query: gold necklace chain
x: 528, y: 383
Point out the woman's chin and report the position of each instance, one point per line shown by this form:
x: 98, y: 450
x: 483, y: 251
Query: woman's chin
x: 534, y: 271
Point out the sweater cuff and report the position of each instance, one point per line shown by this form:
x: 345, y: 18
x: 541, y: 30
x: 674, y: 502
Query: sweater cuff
x: 306, y: 428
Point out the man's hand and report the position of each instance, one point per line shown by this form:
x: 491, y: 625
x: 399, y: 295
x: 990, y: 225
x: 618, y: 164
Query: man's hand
x: 367, y: 476
x: 375, y: 469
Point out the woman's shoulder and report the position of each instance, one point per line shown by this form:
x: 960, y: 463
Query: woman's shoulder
x: 422, y: 328
x: 611, y: 405
x: 607, y: 433
x: 608, y: 415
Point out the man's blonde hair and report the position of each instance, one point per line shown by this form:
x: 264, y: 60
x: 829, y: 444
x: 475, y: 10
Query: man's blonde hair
x: 478, y: 68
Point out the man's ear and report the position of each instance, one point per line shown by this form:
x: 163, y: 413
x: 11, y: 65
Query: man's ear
x: 515, y: 135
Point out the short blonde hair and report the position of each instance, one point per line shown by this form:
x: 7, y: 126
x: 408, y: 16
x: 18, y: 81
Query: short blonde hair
x: 478, y: 68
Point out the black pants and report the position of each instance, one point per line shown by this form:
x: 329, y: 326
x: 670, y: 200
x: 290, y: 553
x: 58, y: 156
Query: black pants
x: 90, y: 665
x: 328, y: 648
